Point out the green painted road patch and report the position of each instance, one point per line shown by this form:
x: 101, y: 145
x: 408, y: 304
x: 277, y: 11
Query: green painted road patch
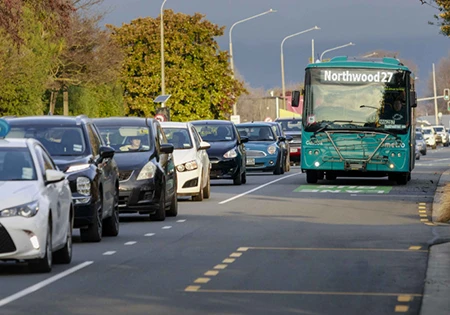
x: 344, y: 189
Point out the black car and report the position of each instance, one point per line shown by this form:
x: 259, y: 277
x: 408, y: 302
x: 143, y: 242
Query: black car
x: 292, y: 127
x: 284, y: 143
x: 148, y: 182
x: 78, y: 150
x: 227, y: 152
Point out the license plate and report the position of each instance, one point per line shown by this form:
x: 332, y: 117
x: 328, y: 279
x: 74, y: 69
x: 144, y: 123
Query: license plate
x: 293, y: 150
x: 250, y: 161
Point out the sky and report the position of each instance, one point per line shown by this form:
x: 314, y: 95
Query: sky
x: 391, y: 25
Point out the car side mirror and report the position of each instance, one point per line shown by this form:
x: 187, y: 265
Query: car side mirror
x: 106, y: 152
x: 281, y: 138
x: 289, y: 138
x: 204, y: 145
x: 244, y: 139
x: 53, y: 176
x: 295, y: 99
x: 166, y: 148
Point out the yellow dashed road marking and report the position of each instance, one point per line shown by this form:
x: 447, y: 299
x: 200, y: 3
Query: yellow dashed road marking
x: 221, y: 266
x: 334, y: 249
x: 423, y: 215
x: 422, y: 211
x: 424, y: 220
x: 202, y: 280
x: 242, y: 249
x: 236, y: 255
x: 401, y: 308
x: 405, y: 298
x: 415, y: 247
x: 211, y: 273
x: 192, y: 288
x: 228, y: 261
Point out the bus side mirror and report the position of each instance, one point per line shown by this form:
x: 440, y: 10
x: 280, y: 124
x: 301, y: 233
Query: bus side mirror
x: 295, y: 98
x: 413, y: 99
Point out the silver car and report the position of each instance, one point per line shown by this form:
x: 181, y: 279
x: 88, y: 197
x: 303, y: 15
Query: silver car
x: 421, y: 144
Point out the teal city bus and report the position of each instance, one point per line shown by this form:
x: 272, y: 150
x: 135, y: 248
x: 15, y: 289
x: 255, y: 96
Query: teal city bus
x: 358, y: 119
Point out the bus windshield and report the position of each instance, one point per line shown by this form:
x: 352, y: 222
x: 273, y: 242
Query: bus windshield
x: 337, y: 98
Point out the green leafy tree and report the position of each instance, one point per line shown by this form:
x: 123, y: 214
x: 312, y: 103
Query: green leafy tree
x: 197, y: 73
x: 442, y: 19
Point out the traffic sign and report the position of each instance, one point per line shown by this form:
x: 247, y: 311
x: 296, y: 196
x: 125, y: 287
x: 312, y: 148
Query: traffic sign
x: 235, y: 119
x: 268, y: 119
x: 162, y: 114
x: 160, y: 117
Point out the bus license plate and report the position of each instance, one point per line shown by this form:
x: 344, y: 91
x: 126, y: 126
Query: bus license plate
x: 250, y: 161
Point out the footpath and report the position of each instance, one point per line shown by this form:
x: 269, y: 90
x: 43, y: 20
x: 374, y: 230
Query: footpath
x: 436, y: 299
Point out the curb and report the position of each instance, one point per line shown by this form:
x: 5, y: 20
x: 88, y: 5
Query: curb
x: 436, y: 296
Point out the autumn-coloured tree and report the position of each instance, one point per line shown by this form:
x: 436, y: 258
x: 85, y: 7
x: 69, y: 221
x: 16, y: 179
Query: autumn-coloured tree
x: 442, y: 18
x: 197, y: 73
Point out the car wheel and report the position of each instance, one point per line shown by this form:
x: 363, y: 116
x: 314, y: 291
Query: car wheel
x: 111, y: 225
x: 160, y: 214
x: 199, y: 196
x: 244, y: 177
x: 311, y: 177
x: 207, y: 189
x: 44, y: 264
x: 64, y: 255
x: 95, y: 230
x: 288, y: 164
x: 173, y: 210
x: 278, y: 166
x: 238, y: 179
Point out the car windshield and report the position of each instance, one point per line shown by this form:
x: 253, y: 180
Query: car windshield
x: 439, y: 129
x: 16, y: 164
x: 426, y: 131
x: 179, y: 137
x: 257, y: 133
x: 419, y: 137
x: 126, y: 138
x: 59, y: 141
x: 291, y: 125
x: 215, y: 133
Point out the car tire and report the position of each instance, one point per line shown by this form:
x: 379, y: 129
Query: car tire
x: 244, y: 177
x: 111, y: 225
x: 199, y: 196
x: 94, y: 231
x: 238, y: 179
x: 173, y: 210
x: 278, y: 166
x: 160, y: 214
x: 288, y: 164
x: 43, y: 265
x: 207, y: 189
x: 311, y: 177
x: 64, y: 255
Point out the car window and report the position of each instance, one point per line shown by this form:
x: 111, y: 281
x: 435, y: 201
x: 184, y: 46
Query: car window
x: 126, y: 138
x: 257, y: 133
x: 197, y: 138
x: 94, y: 140
x: 419, y: 137
x: 215, y: 133
x: 291, y: 125
x: 58, y: 140
x: 16, y: 164
x: 44, y: 159
x: 179, y: 137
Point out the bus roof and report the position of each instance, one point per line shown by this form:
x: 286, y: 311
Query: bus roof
x: 357, y: 62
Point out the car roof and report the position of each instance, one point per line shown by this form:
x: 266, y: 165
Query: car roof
x: 113, y: 121
x: 212, y: 122
x: 257, y: 124
x: 172, y: 124
x: 15, y: 142
x: 48, y: 120
x: 285, y: 118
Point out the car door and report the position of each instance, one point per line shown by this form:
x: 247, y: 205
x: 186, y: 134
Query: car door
x: 202, y: 156
x: 106, y: 169
x: 241, y: 148
x: 167, y: 163
x: 56, y: 198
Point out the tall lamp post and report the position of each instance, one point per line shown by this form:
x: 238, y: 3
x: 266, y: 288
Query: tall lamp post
x: 339, y: 47
x: 231, y: 44
x: 282, y: 60
x: 163, y: 78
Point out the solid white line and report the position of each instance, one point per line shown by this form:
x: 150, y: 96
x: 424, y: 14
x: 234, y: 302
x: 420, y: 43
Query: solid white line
x: 130, y: 243
x: 257, y: 188
x: 42, y: 284
x: 112, y: 252
x: 149, y: 234
x: 166, y: 227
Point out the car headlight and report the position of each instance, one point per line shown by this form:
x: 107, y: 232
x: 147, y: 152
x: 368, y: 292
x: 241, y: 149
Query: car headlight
x: 83, y: 186
x: 27, y: 210
x: 77, y: 168
x: 147, y: 172
x: 188, y: 166
x: 272, y: 149
x: 230, y: 154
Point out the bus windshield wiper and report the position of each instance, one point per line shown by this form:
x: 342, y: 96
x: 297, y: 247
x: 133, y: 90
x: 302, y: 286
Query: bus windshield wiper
x: 368, y: 106
x: 330, y: 123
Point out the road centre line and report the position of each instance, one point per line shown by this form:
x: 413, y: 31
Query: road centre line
x: 109, y: 253
x: 149, y: 234
x: 43, y: 284
x: 130, y: 243
x: 257, y: 188
x: 380, y: 294
x: 338, y: 249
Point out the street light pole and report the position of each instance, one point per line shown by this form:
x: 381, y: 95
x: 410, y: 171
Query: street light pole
x: 231, y: 43
x: 282, y: 61
x: 435, y: 97
x: 163, y: 78
x: 349, y: 44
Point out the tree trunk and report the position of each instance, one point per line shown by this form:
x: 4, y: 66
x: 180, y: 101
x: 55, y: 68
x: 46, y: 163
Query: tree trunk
x: 53, y: 96
x: 65, y: 101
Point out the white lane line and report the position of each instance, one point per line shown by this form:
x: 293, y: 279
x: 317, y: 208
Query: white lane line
x: 112, y: 252
x: 181, y: 221
x: 166, y: 227
x: 257, y: 188
x: 130, y: 243
x: 42, y: 284
x: 149, y: 234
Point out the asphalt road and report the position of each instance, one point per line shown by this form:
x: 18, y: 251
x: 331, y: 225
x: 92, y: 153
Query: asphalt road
x: 273, y: 246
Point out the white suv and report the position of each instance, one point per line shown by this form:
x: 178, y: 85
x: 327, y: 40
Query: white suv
x: 430, y: 136
x: 440, y: 130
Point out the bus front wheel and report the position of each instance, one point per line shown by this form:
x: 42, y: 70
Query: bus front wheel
x: 311, y: 177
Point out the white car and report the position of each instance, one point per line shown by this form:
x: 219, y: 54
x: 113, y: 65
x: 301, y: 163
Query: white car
x: 430, y: 136
x: 443, y: 135
x: 191, y: 160
x: 36, y: 212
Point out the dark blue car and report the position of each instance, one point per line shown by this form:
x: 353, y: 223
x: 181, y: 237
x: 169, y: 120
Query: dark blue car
x: 264, y: 151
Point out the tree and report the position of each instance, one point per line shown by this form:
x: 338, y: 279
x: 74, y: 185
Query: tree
x: 442, y: 19
x: 197, y: 73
